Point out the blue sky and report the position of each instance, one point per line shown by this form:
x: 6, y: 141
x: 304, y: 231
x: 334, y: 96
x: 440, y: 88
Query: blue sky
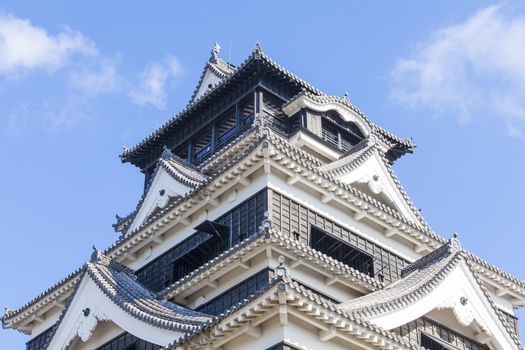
x: 78, y: 81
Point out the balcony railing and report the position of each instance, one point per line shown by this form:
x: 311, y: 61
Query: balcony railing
x: 202, y: 154
x: 227, y: 136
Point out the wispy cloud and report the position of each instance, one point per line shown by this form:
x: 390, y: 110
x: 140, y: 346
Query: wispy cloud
x: 154, y: 79
x: 24, y: 46
x: 475, y: 68
x: 50, y: 114
x: 100, y: 79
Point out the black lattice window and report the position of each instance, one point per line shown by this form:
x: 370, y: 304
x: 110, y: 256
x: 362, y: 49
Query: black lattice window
x: 322, y: 241
x: 234, y: 295
x: 294, y: 220
x: 180, y: 260
x: 38, y: 342
x: 433, y: 335
x: 245, y: 219
x: 430, y: 343
x: 211, y: 239
x: 127, y: 341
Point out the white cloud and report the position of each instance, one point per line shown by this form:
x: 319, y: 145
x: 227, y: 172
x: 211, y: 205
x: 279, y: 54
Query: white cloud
x: 154, y: 82
x: 472, y: 69
x: 24, y: 46
x: 94, y: 81
x: 86, y: 74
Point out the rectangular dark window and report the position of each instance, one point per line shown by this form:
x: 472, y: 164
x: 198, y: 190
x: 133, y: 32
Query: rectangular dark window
x: 294, y: 220
x: 339, y: 133
x: 183, y: 258
x: 202, y: 146
x: 127, y: 341
x: 322, y: 241
x: 210, y: 239
x: 430, y: 343
x: 433, y: 335
x: 234, y: 295
x: 38, y: 342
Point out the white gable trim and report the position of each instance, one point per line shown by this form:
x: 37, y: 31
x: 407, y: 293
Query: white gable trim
x: 164, y: 182
x: 476, y: 311
x: 374, y: 173
x: 209, y: 79
x: 76, y: 324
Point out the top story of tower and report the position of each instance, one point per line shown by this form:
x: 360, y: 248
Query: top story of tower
x: 227, y: 99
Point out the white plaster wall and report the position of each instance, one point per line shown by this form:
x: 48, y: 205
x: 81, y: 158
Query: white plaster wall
x: 502, y: 303
x: 104, y: 332
x: 309, y: 144
x: 272, y: 334
x: 209, y: 78
x: 317, y: 282
x: 374, y: 166
x: 446, y: 317
x: 306, y: 336
x: 162, y: 181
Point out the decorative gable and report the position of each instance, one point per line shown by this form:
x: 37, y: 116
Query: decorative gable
x: 366, y: 169
x: 172, y: 180
x: 108, y: 292
x: 442, y: 280
x: 215, y: 71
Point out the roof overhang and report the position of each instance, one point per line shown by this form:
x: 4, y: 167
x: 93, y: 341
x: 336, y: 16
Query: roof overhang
x: 441, y: 280
x: 460, y: 293
x: 288, y: 302
x: 91, y: 306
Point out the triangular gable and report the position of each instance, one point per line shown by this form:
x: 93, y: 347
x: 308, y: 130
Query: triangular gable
x: 215, y: 71
x: 441, y: 280
x: 171, y: 180
x: 366, y: 169
x: 108, y: 292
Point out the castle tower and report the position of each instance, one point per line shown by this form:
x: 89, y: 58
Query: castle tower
x: 271, y: 218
